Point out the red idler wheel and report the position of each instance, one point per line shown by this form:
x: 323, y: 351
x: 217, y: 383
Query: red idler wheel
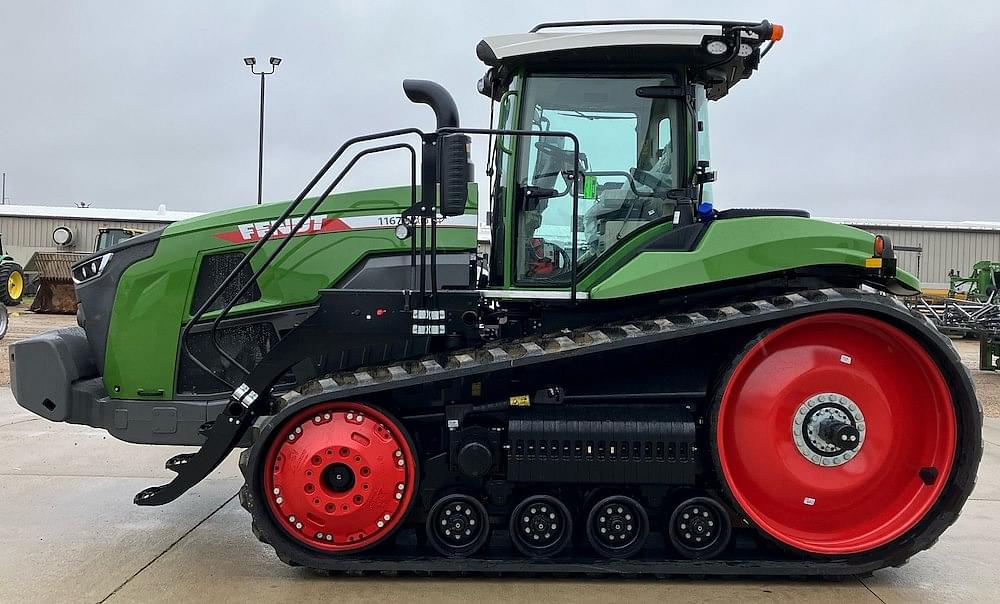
x: 835, y: 433
x: 340, y: 476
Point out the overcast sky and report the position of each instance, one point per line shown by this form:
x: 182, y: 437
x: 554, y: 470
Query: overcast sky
x: 865, y: 109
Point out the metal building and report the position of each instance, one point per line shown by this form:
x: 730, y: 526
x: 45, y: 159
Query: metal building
x: 929, y: 249
x: 29, y: 229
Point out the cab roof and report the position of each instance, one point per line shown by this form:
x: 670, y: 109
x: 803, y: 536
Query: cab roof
x: 715, y: 53
x: 496, y: 50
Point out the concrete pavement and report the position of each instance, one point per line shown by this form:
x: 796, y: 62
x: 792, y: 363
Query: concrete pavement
x: 70, y: 533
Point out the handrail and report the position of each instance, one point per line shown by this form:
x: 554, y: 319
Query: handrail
x: 312, y: 210
x: 323, y: 197
x: 269, y: 234
x: 613, y: 22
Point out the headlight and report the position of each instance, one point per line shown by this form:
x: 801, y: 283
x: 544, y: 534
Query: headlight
x: 717, y: 47
x: 91, y: 269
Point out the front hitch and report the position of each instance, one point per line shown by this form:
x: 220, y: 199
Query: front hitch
x: 245, y: 406
x: 248, y: 402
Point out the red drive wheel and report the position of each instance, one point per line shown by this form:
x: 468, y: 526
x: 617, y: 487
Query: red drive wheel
x: 835, y: 433
x: 339, y: 477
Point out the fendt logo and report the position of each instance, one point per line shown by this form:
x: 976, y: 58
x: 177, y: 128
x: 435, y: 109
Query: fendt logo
x: 255, y: 231
x: 322, y: 223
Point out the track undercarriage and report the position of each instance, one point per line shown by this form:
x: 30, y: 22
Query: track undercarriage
x: 700, y: 456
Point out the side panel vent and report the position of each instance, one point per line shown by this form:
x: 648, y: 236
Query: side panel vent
x: 248, y: 342
x: 213, y: 270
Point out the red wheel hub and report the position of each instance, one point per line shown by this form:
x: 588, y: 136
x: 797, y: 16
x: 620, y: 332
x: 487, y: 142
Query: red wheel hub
x: 339, y: 476
x: 888, y: 483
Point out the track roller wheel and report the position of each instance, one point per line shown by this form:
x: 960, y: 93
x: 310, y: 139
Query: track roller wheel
x: 540, y: 526
x: 617, y: 527
x: 339, y: 477
x: 835, y: 433
x: 457, y: 526
x: 699, y: 528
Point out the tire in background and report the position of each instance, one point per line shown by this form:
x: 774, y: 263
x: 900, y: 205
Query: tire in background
x: 12, y: 283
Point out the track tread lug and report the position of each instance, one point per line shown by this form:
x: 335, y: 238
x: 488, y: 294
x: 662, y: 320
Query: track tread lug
x: 632, y: 330
x: 598, y: 337
x: 285, y: 557
x: 244, y: 457
x: 729, y: 312
x: 257, y: 532
x: 363, y: 378
x: 697, y: 318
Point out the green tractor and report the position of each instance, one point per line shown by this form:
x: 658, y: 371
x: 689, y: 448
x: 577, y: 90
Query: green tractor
x: 633, y: 381
x: 980, y: 286
x: 110, y: 236
x: 12, y: 281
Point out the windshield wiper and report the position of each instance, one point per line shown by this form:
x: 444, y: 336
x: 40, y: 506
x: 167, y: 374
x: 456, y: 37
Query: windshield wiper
x: 591, y: 116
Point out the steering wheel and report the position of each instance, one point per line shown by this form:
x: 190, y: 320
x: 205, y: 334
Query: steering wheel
x: 545, y: 267
x: 551, y: 160
x: 551, y: 149
x: 654, y: 181
x: 564, y: 259
x: 557, y: 161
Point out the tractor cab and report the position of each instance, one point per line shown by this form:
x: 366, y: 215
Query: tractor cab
x: 622, y: 136
x: 111, y: 236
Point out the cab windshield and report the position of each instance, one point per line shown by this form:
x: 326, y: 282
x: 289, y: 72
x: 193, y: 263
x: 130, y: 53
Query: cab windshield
x: 630, y: 137
x: 112, y: 237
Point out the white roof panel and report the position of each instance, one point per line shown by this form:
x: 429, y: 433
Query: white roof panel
x: 131, y: 215
x: 515, y: 45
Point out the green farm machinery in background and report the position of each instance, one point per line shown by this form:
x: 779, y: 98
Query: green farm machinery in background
x: 12, y: 281
x: 979, y: 286
x: 12, y: 286
x: 971, y: 309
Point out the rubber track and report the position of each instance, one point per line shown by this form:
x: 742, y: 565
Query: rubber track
x: 507, y: 355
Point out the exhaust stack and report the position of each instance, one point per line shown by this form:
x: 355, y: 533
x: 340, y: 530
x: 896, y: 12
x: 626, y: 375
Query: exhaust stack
x: 435, y: 95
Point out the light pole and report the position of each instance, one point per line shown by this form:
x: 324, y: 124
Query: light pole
x: 251, y: 61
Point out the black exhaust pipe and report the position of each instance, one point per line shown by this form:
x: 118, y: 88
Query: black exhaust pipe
x: 433, y: 94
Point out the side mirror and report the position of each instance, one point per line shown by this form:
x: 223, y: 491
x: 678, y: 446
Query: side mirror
x: 702, y: 178
x: 456, y: 171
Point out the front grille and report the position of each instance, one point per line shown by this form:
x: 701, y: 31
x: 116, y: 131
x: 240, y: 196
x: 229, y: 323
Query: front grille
x: 248, y: 343
x: 213, y: 271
